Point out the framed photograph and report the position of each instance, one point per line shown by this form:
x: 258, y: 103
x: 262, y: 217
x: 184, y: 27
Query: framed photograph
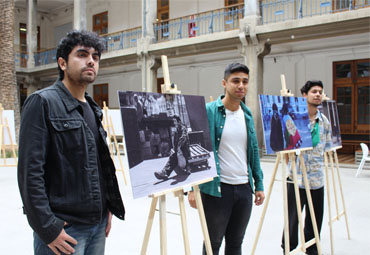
x: 167, y: 141
x: 285, y: 123
x: 329, y: 109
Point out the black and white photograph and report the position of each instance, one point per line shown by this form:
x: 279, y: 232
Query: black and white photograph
x: 285, y: 123
x: 329, y: 109
x: 167, y: 141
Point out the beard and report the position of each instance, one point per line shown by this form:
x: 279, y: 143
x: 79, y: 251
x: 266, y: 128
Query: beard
x: 82, y: 78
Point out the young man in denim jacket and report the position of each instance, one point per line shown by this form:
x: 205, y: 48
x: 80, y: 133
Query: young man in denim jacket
x: 66, y: 177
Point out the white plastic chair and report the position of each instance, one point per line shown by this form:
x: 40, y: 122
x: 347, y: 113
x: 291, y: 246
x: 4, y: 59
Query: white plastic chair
x: 365, y: 157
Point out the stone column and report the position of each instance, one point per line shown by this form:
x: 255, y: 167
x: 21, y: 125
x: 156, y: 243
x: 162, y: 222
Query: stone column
x: 79, y: 15
x: 251, y: 8
x: 9, y: 94
x: 31, y: 32
x: 147, y: 62
x: 253, y: 52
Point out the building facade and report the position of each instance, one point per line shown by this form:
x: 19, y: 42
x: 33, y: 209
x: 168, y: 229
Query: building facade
x: 302, y: 39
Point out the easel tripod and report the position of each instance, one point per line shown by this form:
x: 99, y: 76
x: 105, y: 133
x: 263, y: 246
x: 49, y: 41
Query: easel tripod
x: 281, y: 156
x: 178, y: 192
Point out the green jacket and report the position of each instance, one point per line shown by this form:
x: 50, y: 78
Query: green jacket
x: 216, y: 120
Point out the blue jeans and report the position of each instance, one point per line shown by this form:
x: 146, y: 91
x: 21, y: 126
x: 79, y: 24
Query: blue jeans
x: 228, y: 216
x: 90, y: 238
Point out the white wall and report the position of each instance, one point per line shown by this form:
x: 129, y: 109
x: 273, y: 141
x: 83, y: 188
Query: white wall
x: 122, y: 15
x: 179, y: 8
x: 314, y: 63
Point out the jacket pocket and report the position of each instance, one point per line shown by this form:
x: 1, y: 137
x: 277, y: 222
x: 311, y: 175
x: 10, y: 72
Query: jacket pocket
x: 68, y: 135
x: 65, y: 125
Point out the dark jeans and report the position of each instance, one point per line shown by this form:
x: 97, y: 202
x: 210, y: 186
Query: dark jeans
x: 228, y: 217
x: 90, y: 238
x: 318, y: 205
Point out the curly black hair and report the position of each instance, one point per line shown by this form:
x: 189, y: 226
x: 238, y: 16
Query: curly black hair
x: 74, y: 38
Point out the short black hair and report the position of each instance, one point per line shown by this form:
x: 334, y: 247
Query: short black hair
x: 74, y: 38
x: 309, y: 84
x: 233, y: 68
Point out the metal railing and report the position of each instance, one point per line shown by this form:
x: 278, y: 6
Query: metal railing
x: 281, y: 10
x: 122, y: 39
x: 44, y: 57
x: 114, y: 41
x: 20, y: 58
x: 209, y: 22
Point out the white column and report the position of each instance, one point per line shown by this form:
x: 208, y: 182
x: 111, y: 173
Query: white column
x: 253, y: 52
x: 146, y: 62
x: 31, y: 31
x: 79, y: 15
x: 251, y: 8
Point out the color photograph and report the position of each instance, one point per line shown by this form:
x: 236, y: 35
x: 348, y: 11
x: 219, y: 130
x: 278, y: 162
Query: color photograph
x: 167, y: 141
x: 329, y: 109
x: 285, y: 123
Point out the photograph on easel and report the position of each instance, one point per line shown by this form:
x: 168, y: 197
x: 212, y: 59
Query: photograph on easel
x: 167, y: 139
x: 285, y: 123
x: 329, y: 109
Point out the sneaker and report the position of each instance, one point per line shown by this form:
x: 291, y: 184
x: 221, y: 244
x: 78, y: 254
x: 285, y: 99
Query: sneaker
x: 161, y: 175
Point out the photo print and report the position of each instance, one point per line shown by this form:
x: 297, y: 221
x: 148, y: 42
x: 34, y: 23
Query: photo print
x: 167, y: 141
x: 285, y: 123
x: 329, y: 109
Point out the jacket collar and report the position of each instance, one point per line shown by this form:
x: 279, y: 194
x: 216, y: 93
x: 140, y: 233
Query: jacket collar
x: 72, y: 103
x: 245, y: 109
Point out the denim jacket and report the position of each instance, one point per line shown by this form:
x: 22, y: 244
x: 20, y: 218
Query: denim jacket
x: 216, y: 120
x: 58, y: 173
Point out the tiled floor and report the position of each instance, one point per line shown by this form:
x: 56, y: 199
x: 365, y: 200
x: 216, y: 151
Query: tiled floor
x: 126, y: 236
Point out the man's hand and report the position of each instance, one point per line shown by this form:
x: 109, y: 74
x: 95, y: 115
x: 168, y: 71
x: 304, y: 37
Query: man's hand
x: 61, y: 244
x: 260, y: 197
x: 191, y: 198
x: 109, y: 224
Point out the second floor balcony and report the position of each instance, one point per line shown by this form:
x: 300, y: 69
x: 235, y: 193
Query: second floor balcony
x: 210, y: 22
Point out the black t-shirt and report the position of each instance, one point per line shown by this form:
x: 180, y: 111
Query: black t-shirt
x: 91, y: 121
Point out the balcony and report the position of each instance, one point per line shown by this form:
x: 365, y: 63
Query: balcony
x: 204, y: 23
x: 273, y: 11
x: 228, y: 19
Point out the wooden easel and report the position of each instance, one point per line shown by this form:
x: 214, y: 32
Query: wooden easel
x: 108, y: 126
x: 4, y: 124
x: 281, y: 156
x: 329, y: 154
x: 167, y: 87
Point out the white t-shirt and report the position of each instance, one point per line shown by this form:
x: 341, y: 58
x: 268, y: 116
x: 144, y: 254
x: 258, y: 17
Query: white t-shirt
x: 232, y: 153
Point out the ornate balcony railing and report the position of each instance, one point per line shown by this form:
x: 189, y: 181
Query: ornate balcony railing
x: 209, y: 22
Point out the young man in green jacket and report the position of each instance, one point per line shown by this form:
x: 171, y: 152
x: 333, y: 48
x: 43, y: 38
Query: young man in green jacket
x: 227, y: 200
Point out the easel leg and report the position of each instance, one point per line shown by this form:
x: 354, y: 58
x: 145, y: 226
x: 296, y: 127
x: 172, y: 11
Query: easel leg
x: 149, y: 226
x: 266, y: 202
x: 341, y: 192
x: 285, y: 206
x: 202, y: 218
x: 298, y: 201
x: 185, y: 232
x: 163, y: 224
x: 329, y: 202
x: 334, y: 186
x: 312, y: 212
